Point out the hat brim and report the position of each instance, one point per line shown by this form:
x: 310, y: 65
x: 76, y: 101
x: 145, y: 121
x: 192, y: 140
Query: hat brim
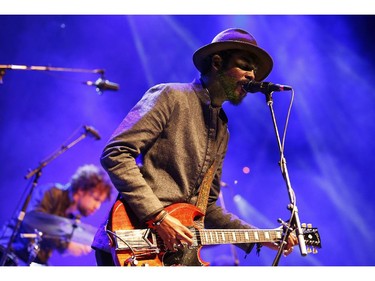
x: 264, y: 60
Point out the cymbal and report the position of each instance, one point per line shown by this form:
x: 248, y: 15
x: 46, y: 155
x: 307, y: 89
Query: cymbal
x: 53, y: 226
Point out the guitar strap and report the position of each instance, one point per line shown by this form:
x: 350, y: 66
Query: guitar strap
x: 204, y: 190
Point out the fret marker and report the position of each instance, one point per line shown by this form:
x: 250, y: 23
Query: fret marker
x: 234, y: 236
x: 266, y: 233
x: 256, y: 236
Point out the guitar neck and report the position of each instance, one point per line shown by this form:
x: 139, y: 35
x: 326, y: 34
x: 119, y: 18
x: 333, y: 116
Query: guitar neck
x: 238, y: 236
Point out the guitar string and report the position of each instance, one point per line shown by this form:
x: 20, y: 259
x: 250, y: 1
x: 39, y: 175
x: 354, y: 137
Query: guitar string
x: 213, y: 236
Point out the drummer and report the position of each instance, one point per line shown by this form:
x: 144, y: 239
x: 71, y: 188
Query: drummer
x: 82, y: 196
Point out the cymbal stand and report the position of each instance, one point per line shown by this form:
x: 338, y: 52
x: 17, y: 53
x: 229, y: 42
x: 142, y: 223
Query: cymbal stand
x: 36, y: 173
x: 294, y: 221
x: 34, y: 244
x: 77, y: 220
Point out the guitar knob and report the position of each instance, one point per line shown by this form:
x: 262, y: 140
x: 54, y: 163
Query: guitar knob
x: 132, y: 261
x: 315, y: 251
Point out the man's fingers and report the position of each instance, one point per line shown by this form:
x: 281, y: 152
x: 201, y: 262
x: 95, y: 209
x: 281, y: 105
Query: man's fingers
x: 288, y: 251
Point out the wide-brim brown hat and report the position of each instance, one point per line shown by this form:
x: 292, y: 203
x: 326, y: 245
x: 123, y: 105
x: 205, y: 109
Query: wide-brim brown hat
x: 236, y: 39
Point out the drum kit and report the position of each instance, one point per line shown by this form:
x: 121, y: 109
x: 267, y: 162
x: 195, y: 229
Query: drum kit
x: 47, y: 227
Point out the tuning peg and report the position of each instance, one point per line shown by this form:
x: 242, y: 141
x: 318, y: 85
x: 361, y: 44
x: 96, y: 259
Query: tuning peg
x: 303, y: 225
x: 312, y: 250
x: 309, y: 225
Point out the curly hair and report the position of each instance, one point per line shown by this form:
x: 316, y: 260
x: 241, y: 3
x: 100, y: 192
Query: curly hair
x: 90, y: 177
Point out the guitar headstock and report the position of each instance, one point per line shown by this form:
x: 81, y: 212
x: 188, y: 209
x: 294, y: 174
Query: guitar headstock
x: 312, y: 238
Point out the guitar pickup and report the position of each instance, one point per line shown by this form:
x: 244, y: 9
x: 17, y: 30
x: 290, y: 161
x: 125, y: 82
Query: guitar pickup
x: 135, y: 239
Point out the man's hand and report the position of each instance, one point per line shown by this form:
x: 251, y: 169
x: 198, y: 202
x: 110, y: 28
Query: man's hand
x: 76, y: 249
x: 174, y: 233
x: 291, y: 242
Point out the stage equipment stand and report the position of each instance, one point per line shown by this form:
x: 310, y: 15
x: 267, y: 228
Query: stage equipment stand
x: 294, y: 221
x: 101, y: 84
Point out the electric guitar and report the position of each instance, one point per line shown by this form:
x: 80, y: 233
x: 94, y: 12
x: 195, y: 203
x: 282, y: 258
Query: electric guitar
x: 139, y: 245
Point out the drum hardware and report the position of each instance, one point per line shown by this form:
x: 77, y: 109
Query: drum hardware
x: 10, y: 259
x: 34, y: 244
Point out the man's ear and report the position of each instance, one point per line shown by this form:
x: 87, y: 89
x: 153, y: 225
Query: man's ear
x: 217, y: 62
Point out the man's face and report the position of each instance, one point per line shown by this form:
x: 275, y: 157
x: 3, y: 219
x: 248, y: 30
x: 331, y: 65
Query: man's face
x: 90, y: 201
x: 238, y: 71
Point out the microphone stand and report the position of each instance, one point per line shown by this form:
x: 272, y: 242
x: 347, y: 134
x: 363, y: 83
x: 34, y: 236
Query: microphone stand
x: 46, y: 68
x: 294, y: 221
x: 36, y: 173
x: 99, y: 88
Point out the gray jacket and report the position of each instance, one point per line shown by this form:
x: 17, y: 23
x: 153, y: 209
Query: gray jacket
x: 161, y: 151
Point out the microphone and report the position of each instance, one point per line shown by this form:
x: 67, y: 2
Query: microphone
x: 92, y: 131
x: 264, y: 87
x: 102, y: 85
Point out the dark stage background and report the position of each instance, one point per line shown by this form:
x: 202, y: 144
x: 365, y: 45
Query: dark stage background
x: 328, y: 60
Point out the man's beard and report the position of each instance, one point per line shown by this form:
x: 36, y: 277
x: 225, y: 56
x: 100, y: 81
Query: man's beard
x: 229, y: 86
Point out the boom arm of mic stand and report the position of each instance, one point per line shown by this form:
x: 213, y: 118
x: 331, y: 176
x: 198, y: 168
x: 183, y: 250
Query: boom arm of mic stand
x: 4, y: 67
x: 37, y: 172
x: 58, y: 153
x: 294, y: 219
x: 48, y: 68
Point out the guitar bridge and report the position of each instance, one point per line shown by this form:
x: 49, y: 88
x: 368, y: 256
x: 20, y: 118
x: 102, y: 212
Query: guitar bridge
x: 135, y: 239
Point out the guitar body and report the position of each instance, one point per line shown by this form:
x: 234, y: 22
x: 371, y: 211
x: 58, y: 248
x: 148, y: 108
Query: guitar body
x: 122, y: 218
x: 135, y: 244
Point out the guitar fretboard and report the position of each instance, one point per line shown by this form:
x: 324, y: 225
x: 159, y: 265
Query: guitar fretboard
x: 233, y: 236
